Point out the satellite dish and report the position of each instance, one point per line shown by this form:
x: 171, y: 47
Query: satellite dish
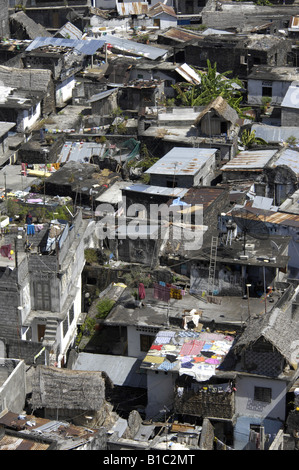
x: 249, y: 224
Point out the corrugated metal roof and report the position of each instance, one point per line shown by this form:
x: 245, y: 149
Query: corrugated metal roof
x: 160, y: 8
x: 289, y: 158
x: 80, y: 151
x: 211, y: 31
x: 70, y: 31
x: 67, y: 433
x: 271, y: 217
x: 182, y: 161
x: 264, y: 203
x: 121, y: 370
x: 143, y: 50
x: 86, y: 46
x: 132, y: 8
x: 158, y: 190
x: 50, y: 426
x: 188, y: 74
x: 112, y: 195
x: 202, y: 195
x: 101, y: 96
x: 275, y: 133
x: 16, y: 443
x: 249, y: 160
x: 180, y: 35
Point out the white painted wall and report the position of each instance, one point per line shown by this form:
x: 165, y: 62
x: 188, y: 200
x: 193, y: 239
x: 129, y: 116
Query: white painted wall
x: 67, y: 340
x: 242, y: 426
x: 160, y: 391
x: 251, y: 411
x: 13, y: 390
x: 207, y: 172
x: 165, y: 21
x: 63, y: 91
x: 25, y: 302
x: 133, y: 338
x: 255, y: 88
x: 26, y: 119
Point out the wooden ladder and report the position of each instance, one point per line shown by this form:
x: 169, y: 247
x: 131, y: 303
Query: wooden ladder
x: 212, y: 267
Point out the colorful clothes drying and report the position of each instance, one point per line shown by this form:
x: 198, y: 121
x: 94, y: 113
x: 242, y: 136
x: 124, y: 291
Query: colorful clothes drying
x: 192, y: 348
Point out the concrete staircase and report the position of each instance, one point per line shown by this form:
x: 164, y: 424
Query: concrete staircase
x: 50, y: 332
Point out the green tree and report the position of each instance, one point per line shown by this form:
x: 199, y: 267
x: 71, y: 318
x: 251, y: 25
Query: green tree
x: 248, y: 139
x: 212, y: 84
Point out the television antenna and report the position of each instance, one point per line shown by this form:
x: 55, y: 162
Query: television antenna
x: 250, y: 225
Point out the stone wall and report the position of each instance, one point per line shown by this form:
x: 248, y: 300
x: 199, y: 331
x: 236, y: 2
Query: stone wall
x: 205, y: 404
x: 9, y: 321
x: 4, y: 22
x: 289, y: 117
x: 25, y: 350
x: 207, y: 435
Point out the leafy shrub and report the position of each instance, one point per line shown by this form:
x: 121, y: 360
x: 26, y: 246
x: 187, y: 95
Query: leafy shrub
x: 104, y: 307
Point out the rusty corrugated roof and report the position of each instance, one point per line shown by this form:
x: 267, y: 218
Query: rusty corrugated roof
x: 203, y: 195
x: 294, y: 22
x: 271, y: 217
x: 249, y: 160
x: 159, y: 8
x: 132, y: 8
x: 16, y: 443
x: 180, y: 35
x: 44, y: 426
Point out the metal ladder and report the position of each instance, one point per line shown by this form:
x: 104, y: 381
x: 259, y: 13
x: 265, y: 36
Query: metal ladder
x: 212, y: 267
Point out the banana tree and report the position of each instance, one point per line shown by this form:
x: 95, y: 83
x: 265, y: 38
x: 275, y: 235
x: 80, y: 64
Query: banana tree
x: 212, y: 84
x: 248, y: 139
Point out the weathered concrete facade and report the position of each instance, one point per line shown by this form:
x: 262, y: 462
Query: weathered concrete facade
x: 42, y: 292
x: 4, y: 22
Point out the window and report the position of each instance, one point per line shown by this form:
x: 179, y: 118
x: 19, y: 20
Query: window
x: 255, y: 428
x: 65, y: 326
x: 145, y: 342
x: 267, y: 91
x: 71, y: 314
x: 263, y: 394
x: 171, y: 183
x: 223, y: 127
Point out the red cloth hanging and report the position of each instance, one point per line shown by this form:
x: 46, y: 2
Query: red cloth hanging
x: 5, y: 251
x: 141, y: 291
